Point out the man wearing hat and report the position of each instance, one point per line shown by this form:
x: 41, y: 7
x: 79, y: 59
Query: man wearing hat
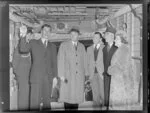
x: 108, y: 52
x: 72, y: 70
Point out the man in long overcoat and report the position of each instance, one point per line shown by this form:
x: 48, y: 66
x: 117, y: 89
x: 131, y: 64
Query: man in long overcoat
x: 44, y: 66
x: 72, y: 69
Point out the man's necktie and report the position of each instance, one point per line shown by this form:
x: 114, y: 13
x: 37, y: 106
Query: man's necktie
x: 45, y: 44
x: 95, y: 56
x: 95, y: 52
x: 108, y: 48
x: 75, y: 45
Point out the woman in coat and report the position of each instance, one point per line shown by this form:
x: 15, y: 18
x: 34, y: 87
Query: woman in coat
x: 123, y: 79
x: 21, y: 68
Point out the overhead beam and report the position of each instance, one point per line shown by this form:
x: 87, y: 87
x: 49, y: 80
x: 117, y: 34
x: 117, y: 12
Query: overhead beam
x: 78, y: 5
x: 69, y: 14
x: 125, y: 10
x: 19, y: 19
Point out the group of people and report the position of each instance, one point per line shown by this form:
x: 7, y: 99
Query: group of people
x: 105, y: 65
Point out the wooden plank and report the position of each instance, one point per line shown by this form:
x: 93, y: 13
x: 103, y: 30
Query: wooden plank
x: 125, y: 10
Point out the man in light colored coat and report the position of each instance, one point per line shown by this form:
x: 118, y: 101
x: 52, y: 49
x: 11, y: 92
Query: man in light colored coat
x: 95, y: 69
x: 72, y: 68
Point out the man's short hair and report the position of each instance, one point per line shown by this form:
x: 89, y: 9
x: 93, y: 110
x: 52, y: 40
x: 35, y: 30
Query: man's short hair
x: 100, y: 35
x: 74, y: 30
x: 46, y: 25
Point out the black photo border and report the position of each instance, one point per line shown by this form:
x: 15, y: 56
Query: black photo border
x: 4, y: 45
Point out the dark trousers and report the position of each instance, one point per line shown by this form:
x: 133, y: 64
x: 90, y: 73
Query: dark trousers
x: 69, y: 106
x: 107, y: 80
x: 40, y: 93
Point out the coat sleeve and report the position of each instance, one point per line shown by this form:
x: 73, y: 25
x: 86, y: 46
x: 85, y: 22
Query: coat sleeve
x: 54, y: 61
x: 61, y: 61
x: 24, y: 46
x: 85, y: 62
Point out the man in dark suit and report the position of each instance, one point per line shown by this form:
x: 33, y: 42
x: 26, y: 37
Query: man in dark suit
x: 44, y: 66
x: 108, y: 52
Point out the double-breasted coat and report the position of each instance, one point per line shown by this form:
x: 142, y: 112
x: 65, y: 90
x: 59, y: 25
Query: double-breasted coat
x: 72, y: 65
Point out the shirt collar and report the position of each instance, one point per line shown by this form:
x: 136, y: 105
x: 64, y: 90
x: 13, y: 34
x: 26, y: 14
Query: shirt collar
x: 97, y: 46
x: 74, y: 43
x: 110, y: 44
x: 43, y: 40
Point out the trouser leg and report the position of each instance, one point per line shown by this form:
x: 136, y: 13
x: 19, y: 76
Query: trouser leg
x: 98, y: 91
x: 107, y: 79
x: 35, y: 97
x: 46, y: 93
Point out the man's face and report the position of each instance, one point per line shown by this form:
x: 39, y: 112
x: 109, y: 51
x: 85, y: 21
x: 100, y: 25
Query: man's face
x: 46, y: 32
x: 74, y: 36
x: 109, y: 37
x: 96, y: 39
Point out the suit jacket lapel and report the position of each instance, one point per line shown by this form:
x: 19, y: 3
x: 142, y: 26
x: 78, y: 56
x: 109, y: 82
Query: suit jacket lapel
x: 92, y: 53
x: 99, y: 52
x: 71, y: 46
x: 105, y: 54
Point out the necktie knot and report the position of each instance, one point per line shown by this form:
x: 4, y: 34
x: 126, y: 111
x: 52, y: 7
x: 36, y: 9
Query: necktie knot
x: 75, y: 45
x: 108, y: 47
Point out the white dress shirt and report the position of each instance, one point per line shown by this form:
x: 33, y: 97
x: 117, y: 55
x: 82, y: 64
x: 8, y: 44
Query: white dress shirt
x: 43, y: 40
x: 97, y: 46
x: 74, y: 43
x: 110, y: 45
